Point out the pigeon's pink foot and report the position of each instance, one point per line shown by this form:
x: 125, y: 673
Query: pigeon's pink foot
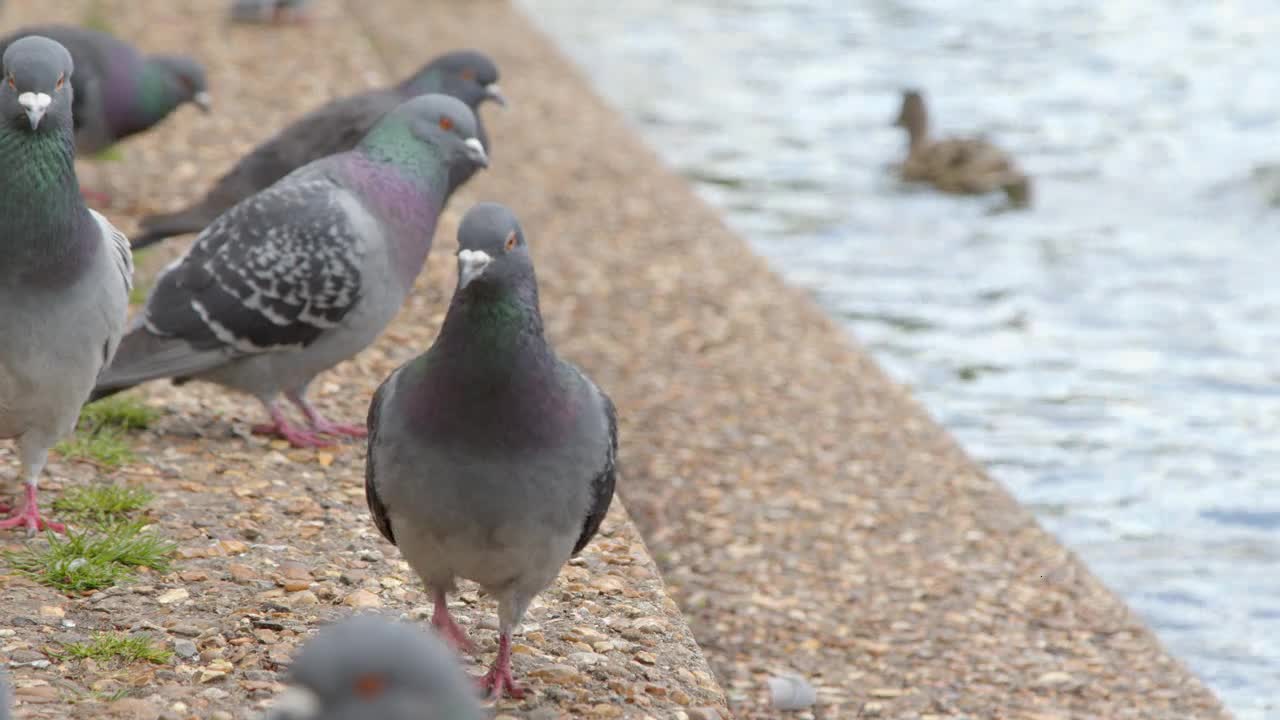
x: 297, y: 437
x: 318, y: 422
x: 30, y: 518
x: 95, y: 197
x: 443, y: 622
x: 498, y: 681
x: 324, y: 427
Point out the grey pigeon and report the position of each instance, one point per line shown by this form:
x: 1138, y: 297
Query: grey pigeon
x: 367, y: 668
x: 332, y: 128
x: 489, y: 457
x: 306, y: 273
x: 66, y: 274
x: 270, y: 11
x: 118, y: 90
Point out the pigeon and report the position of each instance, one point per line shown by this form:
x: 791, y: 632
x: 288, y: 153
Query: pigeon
x: 332, y: 128
x: 490, y: 458
x: 305, y: 274
x: 66, y: 274
x: 277, y: 12
x: 119, y: 91
x: 368, y: 667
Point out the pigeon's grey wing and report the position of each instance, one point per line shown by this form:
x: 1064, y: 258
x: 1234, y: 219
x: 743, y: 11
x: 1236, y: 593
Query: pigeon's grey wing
x: 377, y: 508
x: 274, y: 272
x: 118, y: 245
x: 330, y: 129
x: 603, y: 483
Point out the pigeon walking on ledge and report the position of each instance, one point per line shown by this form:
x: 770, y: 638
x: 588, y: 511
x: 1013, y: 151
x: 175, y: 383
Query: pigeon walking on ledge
x: 336, y: 127
x: 66, y: 273
x: 370, y: 668
x: 306, y: 273
x: 490, y: 458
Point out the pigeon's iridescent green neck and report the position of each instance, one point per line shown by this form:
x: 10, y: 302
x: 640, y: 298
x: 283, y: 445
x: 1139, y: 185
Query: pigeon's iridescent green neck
x: 40, y: 205
x: 157, y: 94
x: 392, y: 141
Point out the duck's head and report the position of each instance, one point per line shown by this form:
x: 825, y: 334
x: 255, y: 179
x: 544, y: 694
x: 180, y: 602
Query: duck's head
x: 912, y: 116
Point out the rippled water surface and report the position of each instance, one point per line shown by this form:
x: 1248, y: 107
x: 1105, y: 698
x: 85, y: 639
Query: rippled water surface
x: 1112, y: 355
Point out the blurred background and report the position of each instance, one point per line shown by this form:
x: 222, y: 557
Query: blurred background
x: 1110, y: 354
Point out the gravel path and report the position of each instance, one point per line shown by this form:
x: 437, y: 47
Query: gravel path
x: 274, y: 541
x: 807, y: 515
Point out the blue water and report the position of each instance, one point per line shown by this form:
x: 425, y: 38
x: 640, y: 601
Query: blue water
x: 1110, y: 356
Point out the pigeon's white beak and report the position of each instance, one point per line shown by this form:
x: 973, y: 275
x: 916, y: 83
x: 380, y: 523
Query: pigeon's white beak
x: 494, y: 93
x: 471, y: 265
x: 476, y: 153
x: 203, y: 101
x: 36, y: 104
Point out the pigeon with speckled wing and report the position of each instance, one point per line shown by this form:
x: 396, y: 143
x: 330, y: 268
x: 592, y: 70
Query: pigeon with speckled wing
x: 66, y: 273
x: 367, y: 668
x: 119, y: 91
x: 306, y: 273
x: 335, y: 127
x: 490, y: 458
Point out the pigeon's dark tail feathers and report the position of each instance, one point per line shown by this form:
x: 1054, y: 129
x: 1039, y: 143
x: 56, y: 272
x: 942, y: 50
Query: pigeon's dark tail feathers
x: 155, y: 228
x: 143, y: 356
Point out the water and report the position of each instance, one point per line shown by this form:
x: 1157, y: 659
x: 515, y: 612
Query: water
x: 1109, y: 356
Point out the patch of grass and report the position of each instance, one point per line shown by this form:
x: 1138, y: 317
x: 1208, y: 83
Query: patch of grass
x: 108, y: 154
x: 93, y: 559
x: 108, y: 646
x: 102, y: 503
x: 104, y: 445
x: 118, y: 411
x: 137, y: 295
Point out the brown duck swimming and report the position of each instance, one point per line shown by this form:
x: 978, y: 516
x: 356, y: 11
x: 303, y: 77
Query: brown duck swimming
x: 964, y: 166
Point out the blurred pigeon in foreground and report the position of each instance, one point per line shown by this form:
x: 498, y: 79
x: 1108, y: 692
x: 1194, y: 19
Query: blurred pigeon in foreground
x: 370, y: 668
x: 306, y: 273
x: 270, y: 11
x: 6, y: 692
x: 332, y: 128
x: 118, y: 90
x: 489, y: 457
x: 66, y: 274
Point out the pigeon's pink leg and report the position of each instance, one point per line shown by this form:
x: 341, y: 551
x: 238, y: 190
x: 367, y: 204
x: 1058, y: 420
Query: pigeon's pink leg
x: 443, y: 622
x: 29, y: 516
x: 281, y: 427
x: 318, y: 422
x: 498, y: 680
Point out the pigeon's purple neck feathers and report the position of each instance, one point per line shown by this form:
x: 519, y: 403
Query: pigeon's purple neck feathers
x: 491, y: 376
x: 405, y: 185
x: 138, y: 92
x: 45, y: 228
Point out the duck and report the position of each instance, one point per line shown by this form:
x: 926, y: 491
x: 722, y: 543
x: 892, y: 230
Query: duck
x: 957, y: 165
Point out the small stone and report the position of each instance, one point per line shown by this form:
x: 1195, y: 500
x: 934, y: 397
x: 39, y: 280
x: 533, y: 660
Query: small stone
x: 296, y: 585
x: 241, y: 573
x: 233, y: 547
x: 207, y: 676
x: 1054, y: 678
x: 608, y: 584
x: 872, y: 709
x: 295, y: 571
x: 646, y: 658
x: 704, y: 713
x: 52, y: 611
x: 194, y: 576
x: 555, y: 673
x: 606, y: 711
x: 185, y: 649
x: 362, y: 599
x: 38, y: 694
x: 886, y: 693
x: 133, y: 709
x: 221, y: 715
x: 585, y: 659
x: 175, y: 595
x: 304, y: 598
x: 681, y: 697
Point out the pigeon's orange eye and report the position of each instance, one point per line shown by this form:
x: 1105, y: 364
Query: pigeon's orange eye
x: 468, y: 74
x: 12, y: 83
x: 370, y: 686
x: 446, y: 123
x: 61, y: 79
x: 511, y: 241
